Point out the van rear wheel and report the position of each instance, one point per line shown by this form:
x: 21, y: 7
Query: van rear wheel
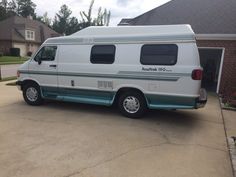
x: 32, y: 95
x: 132, y: 104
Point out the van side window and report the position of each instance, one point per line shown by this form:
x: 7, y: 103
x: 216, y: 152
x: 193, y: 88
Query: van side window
x: 46, y: 53
x: 159, y: 54
x: 103, y: 54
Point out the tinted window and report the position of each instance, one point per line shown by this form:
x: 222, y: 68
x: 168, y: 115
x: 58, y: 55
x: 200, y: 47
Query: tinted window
x: 103, y: 54
x: 159, y: 54
x: 47, y: 53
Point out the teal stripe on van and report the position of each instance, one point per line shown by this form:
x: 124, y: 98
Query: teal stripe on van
x: 120, y: 75
x: 79, y: 95
x: 170, y: 102
x: 107, y: 97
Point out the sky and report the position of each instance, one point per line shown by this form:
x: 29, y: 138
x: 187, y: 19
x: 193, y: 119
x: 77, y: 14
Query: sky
x: 119, y: 8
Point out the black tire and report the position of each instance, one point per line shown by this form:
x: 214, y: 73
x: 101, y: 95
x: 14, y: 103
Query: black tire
x: 38, y: 99
x: 139, y: 110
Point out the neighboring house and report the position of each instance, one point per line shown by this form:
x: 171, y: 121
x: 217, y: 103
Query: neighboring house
x: 214, y: 22
x: 23, y: 33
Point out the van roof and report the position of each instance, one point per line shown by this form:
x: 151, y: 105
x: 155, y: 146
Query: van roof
x: 127, y: 34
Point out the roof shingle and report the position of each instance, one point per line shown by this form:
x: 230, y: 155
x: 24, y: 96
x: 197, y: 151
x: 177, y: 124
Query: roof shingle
x: 13, y: 29
x: 205, y: 16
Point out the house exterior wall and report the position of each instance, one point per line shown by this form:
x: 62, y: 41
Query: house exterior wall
x: 22, y: 47
x: 228, y: 77
x: 26, y: 47
x: 31, y: 47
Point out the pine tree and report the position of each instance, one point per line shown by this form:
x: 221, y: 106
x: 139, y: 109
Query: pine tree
x: 62, y: 20
x: 26, y: 8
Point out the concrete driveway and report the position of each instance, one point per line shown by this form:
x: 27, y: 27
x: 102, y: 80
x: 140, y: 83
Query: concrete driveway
x: 75, y: 140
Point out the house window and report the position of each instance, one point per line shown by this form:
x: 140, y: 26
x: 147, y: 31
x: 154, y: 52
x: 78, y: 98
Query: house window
x: 103, y: 54
x: 29, y: 35
x: 159, y: 54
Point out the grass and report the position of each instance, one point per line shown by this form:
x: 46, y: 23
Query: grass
x: 228, y: 107
x: 8, y: 79
x: 6, y: 60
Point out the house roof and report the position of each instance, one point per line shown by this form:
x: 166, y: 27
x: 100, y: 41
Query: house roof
x: 125, y: 21
x: 13, y: 29
x: 205, y: 16
x: 127, y: 34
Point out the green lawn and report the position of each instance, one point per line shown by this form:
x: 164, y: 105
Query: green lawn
x: 5, y: 60
x: 8, y: 79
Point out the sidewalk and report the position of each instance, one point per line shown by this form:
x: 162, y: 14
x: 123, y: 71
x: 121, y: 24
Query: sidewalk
x: 230, y: 126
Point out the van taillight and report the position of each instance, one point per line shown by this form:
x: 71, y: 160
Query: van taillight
x: 197, y: 74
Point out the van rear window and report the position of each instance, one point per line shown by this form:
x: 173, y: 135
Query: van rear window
x: 159, y: 54
x: 103, y: 54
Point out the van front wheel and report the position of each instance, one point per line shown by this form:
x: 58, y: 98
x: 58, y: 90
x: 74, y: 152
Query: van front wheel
x: 32, y: 95
x: 132, y: 104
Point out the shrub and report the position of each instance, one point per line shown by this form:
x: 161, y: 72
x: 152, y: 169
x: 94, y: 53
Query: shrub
x: 15, y: 52
x: 1, y: 54
x: 29, y: 54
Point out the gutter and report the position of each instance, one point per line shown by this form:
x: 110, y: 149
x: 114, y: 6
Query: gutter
x: 230, y: 37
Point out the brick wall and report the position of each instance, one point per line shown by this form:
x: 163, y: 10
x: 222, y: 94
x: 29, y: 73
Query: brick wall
x: 228, y: 78
x: 5, y: 46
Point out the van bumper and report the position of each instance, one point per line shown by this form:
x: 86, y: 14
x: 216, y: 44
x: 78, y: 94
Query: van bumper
x: 202, y: 99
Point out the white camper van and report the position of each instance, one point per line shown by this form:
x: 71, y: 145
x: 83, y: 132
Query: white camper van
x: 135, y: 67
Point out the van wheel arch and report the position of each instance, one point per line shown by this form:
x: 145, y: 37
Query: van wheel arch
x: 126, y: 89
x: 132, y: 102
x: 32, y: 93
x: 28, y: 82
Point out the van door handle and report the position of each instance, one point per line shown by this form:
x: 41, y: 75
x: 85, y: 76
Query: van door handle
x: 53, y: 66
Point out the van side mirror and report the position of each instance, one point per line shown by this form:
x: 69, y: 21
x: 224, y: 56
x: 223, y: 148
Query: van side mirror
x: 39, y: 61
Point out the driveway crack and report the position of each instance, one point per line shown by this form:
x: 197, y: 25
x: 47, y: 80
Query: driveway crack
x: 136, y: 149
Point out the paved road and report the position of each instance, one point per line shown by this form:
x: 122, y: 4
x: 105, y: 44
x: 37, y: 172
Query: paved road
x: 74, y: 140
x: 8, y: 70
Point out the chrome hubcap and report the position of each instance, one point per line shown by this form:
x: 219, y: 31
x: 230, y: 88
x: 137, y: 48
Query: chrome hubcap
x: 131, y: 104
x: 32, y: 94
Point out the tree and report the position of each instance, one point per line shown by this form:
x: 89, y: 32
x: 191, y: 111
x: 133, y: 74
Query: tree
x: 103, y: 17
x: 4, y: 4
x: 2, y: 13
x: 22, y: 8
x: 87, y: 17
x: 62, y: 20
x: 74, y: 26
x: 7, y: 9
x: 12, y: 8
x: 26, y: 8
x: 3, y: 9
x: 44, y: 19
x: 65, y: 24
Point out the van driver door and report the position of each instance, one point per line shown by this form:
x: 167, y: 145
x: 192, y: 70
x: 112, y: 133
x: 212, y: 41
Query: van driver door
x: 43, y: 69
